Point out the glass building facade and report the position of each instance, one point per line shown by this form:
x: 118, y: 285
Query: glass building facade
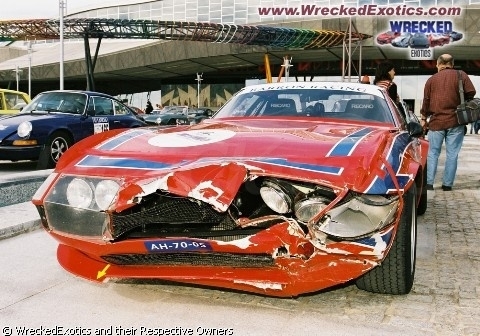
x: 237, y: 11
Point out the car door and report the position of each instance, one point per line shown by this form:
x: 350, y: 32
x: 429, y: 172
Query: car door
x: 101, y: 111
x: 123, y: 117
x: 110, y: 114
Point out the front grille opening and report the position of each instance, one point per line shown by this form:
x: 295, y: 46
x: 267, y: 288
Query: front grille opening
x: 193, y: 259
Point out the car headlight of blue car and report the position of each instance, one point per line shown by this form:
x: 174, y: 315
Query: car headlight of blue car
x: 24, y: 129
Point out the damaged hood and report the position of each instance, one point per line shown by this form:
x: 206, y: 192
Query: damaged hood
x: 335, y: 154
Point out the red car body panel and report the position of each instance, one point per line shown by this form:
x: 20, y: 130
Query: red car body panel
x: 209, y: 162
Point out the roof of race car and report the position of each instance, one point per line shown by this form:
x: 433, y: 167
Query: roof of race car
x: 346, y: 86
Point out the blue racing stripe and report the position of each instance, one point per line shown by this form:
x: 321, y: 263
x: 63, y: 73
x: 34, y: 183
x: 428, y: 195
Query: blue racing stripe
x: 345, y: 146
x: 370, y: 241
x: 120, y: 139
x: 94, y: 161
x: 304, y: 166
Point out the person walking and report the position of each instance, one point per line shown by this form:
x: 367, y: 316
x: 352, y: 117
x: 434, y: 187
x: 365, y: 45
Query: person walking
x: 384, y: 75
x: 440, y: 100
x: 149, y: 107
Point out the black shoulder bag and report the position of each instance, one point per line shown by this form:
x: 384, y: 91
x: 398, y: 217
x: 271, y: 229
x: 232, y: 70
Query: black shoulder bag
x: 467, y: 112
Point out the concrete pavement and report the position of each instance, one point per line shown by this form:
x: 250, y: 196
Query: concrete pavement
x: 17, y: 213
x: 18, y: 218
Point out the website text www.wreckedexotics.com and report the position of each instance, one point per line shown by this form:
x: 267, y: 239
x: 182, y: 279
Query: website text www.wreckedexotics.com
x: 364, y: 10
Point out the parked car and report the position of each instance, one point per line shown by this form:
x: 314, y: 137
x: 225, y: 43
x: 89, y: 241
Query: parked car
x: 387, y: 37
x: 12, y: 102
x: 169, y: 115
x: 402, y: 41
x: 419, y: 41
x: 262, y: 197
x: 198, y: 114
x: 53, y: 121
x: 438, y: 40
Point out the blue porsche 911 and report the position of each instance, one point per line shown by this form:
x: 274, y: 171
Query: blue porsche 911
x: 55, y: 120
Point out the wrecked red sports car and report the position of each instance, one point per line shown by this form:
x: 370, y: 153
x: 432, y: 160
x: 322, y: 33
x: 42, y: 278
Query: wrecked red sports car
x: 289, y: 188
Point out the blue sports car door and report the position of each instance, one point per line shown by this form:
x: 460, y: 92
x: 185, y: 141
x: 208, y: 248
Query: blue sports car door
x: 105, y: 117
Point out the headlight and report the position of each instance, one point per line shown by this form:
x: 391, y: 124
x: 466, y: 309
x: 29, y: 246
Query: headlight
x: 88, y: 193
x: 275, y: 197
x: 105, y: 193
x: 24, y: 129
x: 308, y: 208
x: 79, y: 193
x: 158, y: 121
x: 360, y: 216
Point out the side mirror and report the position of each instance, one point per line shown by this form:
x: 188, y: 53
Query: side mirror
x: 91, y: 111
x: 415, y: 129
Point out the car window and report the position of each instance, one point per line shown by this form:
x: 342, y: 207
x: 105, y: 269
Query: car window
x: 60, y: 102
x: 120, y: 109
x: 328, y: 103
x: 102, y: 106
x: 14, y: 101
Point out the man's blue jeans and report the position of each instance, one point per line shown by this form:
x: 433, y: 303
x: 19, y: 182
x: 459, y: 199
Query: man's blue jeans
x: 453, y: 143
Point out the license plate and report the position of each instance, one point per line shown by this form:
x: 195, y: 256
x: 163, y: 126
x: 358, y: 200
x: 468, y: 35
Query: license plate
x: 176, y: 245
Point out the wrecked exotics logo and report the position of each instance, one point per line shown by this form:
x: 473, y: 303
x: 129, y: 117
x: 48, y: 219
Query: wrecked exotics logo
x: 419, y: 37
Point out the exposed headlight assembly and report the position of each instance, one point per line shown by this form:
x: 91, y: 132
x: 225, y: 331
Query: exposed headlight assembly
x: 276, y: 197
x: 358, y: 217
x: 24, y: 129
x: 306, y: 209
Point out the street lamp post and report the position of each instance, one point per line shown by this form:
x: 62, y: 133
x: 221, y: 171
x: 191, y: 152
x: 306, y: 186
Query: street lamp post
x: 62, y: 5
x: 17, y: 71
x: 199, y: 80
x: 30, y: 68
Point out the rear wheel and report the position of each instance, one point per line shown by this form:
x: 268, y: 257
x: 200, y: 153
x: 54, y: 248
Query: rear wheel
x: 396, y: 273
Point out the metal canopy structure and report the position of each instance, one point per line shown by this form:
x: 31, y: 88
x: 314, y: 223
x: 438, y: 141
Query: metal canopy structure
x: 251, y: 35
x: 175, y: 30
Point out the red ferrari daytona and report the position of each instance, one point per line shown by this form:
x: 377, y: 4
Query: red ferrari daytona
x: 289, y: 188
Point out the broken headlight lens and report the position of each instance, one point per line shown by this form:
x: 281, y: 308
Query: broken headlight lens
x: 359, y: 216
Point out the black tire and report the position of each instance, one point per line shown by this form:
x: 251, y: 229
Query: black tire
x: 396, y: 273
x: 57, y: 144
x: 422, y: 202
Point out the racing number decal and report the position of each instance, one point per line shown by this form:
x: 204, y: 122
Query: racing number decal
x: 100, y: 124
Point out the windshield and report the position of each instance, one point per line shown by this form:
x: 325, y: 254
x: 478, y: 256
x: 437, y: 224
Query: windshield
x: 171, y: 110
x: 310, y: 102
x: 62, y: 102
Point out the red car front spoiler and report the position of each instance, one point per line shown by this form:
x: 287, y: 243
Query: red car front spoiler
x: 301, y: 271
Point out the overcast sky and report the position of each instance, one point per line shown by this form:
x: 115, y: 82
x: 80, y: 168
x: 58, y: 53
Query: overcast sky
x: 48, y: 9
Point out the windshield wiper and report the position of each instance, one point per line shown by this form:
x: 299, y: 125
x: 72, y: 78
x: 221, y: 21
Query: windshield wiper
x: 52, y: 110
